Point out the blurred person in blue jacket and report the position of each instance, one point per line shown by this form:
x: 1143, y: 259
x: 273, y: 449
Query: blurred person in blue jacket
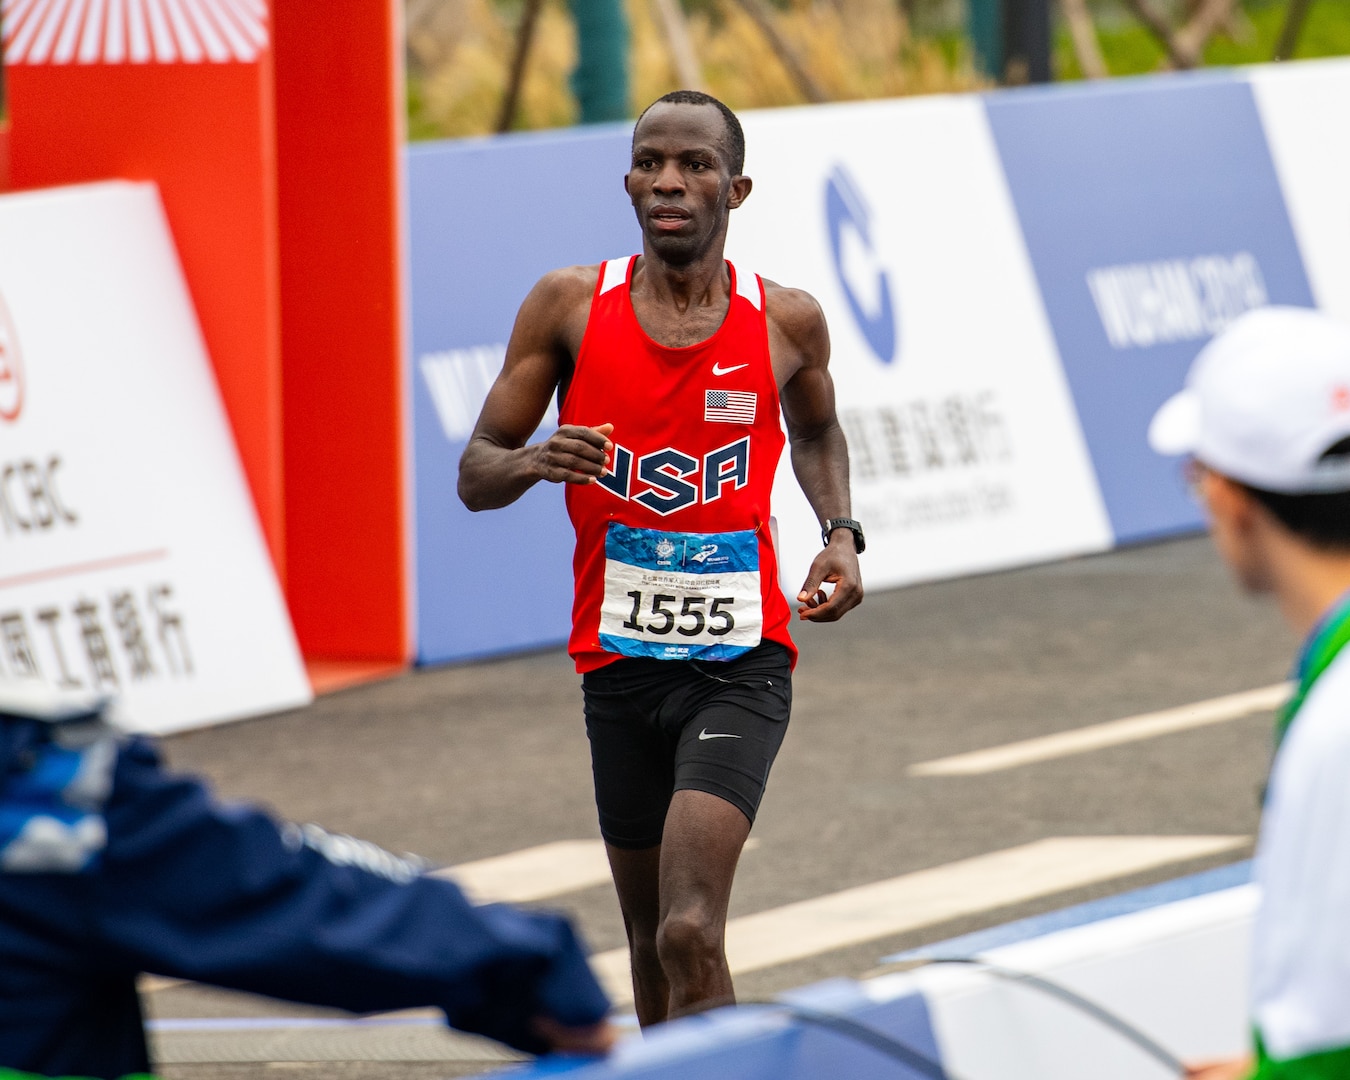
x: 1265, y: 419
x: 110, y: 866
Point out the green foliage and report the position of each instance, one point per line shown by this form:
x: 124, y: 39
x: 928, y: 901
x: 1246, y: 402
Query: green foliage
x: 1130, y: 49
x: 1326, y: 32
x: 420, y: 126
x: 1127, y: 49
x: 854, y: 49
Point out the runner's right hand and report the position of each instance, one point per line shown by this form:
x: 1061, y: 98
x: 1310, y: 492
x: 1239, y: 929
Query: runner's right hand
x: 574, y: 454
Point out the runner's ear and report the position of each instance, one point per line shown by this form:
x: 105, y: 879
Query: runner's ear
x: 740, y: 191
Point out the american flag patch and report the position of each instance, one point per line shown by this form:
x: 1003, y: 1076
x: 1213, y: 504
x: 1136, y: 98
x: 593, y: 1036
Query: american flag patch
x: 729, y: 406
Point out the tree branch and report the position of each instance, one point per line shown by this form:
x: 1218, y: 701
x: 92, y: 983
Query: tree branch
x: 1084, y: 37
x: 787, y: 56
x: 1293, y: 26
x: 1191, y: 38
x: 524, y: 36
x: 1158, y: 26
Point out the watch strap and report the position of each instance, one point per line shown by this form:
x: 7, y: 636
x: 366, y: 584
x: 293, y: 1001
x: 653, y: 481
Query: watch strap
x: 855, y: 527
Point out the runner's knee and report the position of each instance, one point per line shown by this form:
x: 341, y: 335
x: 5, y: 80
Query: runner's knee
x: 641, y: 936
x: 689, y: 936
x: 645, y: 959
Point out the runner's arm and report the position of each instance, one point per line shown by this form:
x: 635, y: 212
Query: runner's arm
x: 819, y: 450
x: 497, y: 466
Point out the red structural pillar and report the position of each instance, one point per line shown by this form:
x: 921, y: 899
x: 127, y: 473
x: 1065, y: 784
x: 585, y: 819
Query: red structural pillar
x: 340, y: 104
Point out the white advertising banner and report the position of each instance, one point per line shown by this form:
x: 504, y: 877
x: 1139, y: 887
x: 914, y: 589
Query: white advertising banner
x: 965, y: 446
x: 1303, y: 108
x: 131, y: 561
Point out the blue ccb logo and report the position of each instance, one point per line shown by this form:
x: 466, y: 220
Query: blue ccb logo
x: 866, y: 285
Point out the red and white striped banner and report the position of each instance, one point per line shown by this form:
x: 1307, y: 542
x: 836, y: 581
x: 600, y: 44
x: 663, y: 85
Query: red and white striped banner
x: 134, y: 31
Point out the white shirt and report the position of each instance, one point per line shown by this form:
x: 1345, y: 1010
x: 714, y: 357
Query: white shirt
x: 1301, y: 944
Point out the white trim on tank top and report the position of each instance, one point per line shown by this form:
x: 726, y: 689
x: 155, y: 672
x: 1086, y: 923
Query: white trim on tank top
x: 615, y: 273
x: 747, y: 285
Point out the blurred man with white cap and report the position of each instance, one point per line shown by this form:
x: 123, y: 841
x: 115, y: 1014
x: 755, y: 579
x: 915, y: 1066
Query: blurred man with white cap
x: 1265, y: 419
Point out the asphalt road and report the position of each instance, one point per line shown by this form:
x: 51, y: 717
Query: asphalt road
x: 462, y: 763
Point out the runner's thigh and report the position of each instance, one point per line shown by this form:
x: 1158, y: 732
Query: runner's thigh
x: 632, y: 762
x: 728, y: 745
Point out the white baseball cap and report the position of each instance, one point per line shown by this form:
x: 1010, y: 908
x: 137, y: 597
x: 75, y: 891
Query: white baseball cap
x: 1264, y: 401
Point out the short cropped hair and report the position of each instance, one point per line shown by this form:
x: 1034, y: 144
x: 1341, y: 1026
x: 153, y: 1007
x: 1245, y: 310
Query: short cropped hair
x: 734, y: 135
x: 1321, y: 520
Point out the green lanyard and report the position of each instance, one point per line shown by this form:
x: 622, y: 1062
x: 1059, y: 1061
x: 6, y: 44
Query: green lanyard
x: 1323, y: 647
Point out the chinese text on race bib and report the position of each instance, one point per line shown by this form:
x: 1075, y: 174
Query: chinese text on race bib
x: 681, y: 596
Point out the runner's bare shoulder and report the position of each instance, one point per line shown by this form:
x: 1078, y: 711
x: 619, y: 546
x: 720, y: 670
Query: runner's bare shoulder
x: 795, y: 318
x: 561, y: 293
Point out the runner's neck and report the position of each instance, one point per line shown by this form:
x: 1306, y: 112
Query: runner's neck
x: 701, y: 283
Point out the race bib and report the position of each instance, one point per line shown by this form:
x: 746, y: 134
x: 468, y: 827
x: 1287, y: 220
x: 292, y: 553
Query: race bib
x: 681, y: 596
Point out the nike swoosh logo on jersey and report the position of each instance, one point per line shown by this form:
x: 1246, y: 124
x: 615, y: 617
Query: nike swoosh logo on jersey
x: 718, y: 369
x: 704, y: 735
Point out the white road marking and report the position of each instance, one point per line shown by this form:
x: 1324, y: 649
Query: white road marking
x: 1112, y: 733
x: 533, y: 874
x: 928, y: 897
x: 537, y: 873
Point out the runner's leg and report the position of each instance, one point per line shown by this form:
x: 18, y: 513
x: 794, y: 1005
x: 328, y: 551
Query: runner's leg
x: 636, y: 879
x: 632, y: 761
x: 702, y: 843
x: 729, y: 733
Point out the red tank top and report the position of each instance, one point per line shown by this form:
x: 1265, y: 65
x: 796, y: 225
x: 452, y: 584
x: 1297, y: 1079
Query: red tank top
x: 674, y: 558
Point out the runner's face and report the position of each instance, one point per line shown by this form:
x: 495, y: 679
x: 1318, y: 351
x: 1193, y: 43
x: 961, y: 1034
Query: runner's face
x: 680, y: 182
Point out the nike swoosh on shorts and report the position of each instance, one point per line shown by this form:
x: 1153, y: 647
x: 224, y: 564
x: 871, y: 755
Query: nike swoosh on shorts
x: 704, y: 735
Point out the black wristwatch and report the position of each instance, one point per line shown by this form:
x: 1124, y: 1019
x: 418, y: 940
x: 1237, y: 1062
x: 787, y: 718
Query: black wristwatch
x: 859, y: 541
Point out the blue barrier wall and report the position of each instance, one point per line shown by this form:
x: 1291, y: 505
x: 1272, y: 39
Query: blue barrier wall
x: 487, y: 219
x: 768, y: 1044
x: 1153, y: 215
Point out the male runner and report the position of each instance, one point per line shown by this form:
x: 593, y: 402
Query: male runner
x: 670, y: 368
x: 1266, y: 417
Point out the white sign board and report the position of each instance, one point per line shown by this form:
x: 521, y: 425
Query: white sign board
x: 1303, y: 111
x: 131, y: 561
x: 965, y: 447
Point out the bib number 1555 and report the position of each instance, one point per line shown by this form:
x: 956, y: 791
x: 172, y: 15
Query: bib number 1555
x: 655, y: 613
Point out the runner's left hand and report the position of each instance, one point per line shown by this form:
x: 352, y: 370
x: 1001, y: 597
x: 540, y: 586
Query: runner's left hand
x: 836, y: 565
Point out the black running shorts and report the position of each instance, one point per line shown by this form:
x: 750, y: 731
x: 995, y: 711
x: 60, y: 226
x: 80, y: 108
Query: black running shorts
x: 661, y: 726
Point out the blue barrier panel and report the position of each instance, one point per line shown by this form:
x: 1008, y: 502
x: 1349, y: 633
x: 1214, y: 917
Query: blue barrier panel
x: 1153, y: 216
x: 486, y: 219
x: 753, y: 1043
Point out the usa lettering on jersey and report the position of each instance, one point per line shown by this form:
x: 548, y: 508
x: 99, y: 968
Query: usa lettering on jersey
x: 668, y: 480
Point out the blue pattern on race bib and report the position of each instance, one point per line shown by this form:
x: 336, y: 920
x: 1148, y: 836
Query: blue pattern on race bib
x: 687, y: 553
